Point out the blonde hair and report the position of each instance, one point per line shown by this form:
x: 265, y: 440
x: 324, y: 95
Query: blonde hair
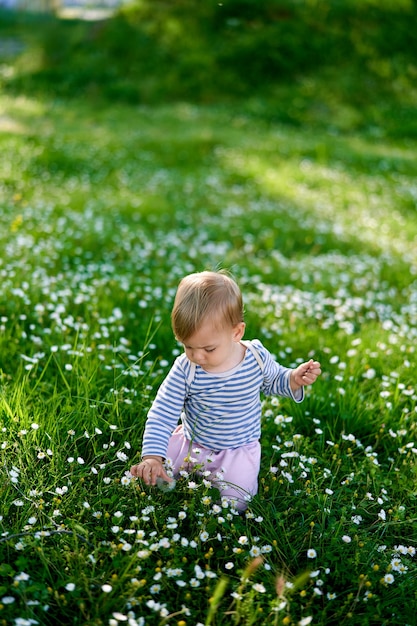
x: 206, y: 295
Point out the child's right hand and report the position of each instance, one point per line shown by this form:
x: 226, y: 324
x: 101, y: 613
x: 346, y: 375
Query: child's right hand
x: 149, y: 469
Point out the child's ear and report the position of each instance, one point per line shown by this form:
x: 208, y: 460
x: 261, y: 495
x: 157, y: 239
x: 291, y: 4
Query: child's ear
x: 239, y: 331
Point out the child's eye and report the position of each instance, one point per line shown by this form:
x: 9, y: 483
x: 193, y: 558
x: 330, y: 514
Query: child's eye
x: 210, y: 349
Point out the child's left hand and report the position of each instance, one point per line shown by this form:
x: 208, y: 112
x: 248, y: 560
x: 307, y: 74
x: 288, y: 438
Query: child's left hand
x: 305, y: 374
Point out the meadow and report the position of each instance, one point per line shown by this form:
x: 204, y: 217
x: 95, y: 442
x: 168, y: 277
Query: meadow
x: 103, y: 208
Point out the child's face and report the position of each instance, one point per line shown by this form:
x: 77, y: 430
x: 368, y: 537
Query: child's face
x: 215, y: 349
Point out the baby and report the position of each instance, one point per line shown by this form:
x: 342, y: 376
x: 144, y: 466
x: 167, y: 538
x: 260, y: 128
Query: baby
x: 214, y: 388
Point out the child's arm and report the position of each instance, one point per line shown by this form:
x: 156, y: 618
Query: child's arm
x: 304, y: 374
x: 149, y: 469
x: 161, y: 421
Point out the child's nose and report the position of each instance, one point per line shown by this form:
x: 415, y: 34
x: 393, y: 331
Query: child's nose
x: 198, y: 355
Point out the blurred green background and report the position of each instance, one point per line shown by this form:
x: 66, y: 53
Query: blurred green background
x: 299, y: 60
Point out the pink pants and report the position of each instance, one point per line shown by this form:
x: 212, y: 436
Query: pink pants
x: 233, y: 471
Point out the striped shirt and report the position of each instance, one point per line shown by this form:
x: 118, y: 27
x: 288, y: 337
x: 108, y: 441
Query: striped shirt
x: 219, y: 410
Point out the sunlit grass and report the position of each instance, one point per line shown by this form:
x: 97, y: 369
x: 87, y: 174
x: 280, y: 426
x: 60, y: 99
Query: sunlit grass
x: 102, y: 210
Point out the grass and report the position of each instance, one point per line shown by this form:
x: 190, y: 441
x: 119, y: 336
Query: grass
x: 102, y: 210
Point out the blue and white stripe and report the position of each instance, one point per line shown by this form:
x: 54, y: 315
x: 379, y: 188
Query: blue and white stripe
x: 218, y: 410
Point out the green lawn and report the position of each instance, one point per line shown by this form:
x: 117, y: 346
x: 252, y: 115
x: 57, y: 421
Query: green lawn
x: 103, y: 208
